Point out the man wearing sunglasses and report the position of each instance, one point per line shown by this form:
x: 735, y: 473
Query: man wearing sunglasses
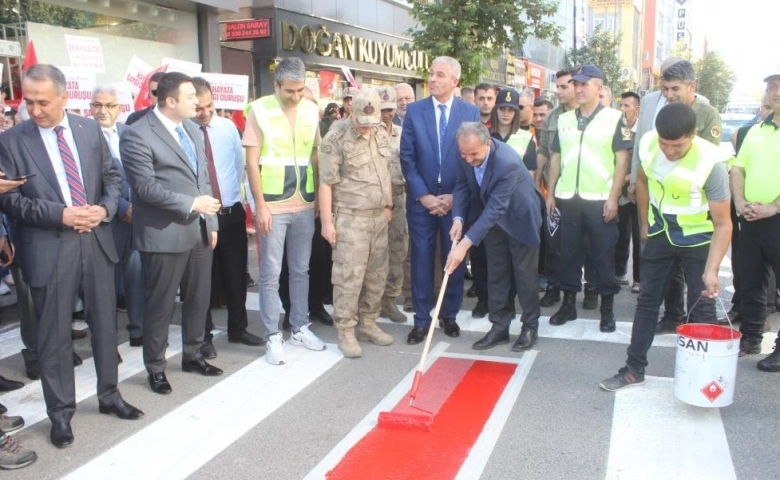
x: 152, y: 92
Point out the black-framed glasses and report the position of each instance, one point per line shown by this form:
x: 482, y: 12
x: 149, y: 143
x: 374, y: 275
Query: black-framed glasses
x: 107, y: 106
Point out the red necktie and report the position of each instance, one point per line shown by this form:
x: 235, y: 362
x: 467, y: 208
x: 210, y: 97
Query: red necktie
x: 77, y: 194
x: 210, y: 165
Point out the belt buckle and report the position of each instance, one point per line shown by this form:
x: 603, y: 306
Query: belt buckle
x: 224, y: 211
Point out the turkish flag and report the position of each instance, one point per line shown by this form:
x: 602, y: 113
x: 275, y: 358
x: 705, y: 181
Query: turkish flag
x: 142, y: 100
x: 30, y: 58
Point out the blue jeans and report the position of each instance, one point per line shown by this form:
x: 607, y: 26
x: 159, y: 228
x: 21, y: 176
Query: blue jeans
x: 297, y: 229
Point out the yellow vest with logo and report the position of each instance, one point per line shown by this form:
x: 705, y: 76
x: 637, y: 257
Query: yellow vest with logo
x: 587, y: 159
x: 286, y: 158
x: 520, y: 141
x: 678, y: 202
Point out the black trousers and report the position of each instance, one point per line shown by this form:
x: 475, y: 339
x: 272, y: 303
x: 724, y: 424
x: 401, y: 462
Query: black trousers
x: 163, y: 274
x: 81, y: 267
x: 479, y: 269
x: 759, y: 248
x: 320, y: 266
x: 628, y: 235
x: 511, y: 270
x: 228, y: 270
x: 658, y: 262
x: 552, y: 255
x: 582, y: 230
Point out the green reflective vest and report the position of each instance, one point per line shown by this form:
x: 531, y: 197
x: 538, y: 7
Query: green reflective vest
x: 520, y: 141
x: 286, y: 158
x: 678, y: 203
x: 587, y: 159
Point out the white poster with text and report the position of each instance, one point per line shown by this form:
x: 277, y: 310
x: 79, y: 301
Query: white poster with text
x: 230, y: 92
x: 85, y: 52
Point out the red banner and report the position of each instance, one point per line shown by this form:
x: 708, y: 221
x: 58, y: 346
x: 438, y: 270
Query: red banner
x: 535, y: 76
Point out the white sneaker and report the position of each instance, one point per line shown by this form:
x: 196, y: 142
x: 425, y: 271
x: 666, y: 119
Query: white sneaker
x: 274, y: 349
x: 4, y: 290
x: 305, y: 338
x: 9, y: 280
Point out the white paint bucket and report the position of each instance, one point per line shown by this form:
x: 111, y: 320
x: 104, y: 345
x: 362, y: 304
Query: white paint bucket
x: 705, y: 368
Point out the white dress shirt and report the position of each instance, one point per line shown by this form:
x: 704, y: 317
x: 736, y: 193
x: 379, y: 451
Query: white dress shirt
x: 49, y: 137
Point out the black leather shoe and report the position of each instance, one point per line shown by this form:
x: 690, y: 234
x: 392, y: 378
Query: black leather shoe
x: 322, y: 316
x: 61, y: 434
x: 7, y: 385
x: 207, y: 349
x: 472, y: 291
x: 551, y: 296
x: 480, y: 310
x: 450, y: 326
x: 121, y: 409
x: 607, y: 323
x: 246, y: 338
x: 770, y: 363
x: 137, y: 341
x: 77, y: 360
x: 416, y: 336
x: 159, y: 383
x: 199, y: 365
x: 526, y: 340
x: 591, y: 299
x: 496, y: 336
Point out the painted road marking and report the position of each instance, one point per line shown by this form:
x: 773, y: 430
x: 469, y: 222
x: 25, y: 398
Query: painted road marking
x: 184, y: 440
x: 469, y: 458
x: 29, y: 403
x: 656, y: 436
x: 10, y: 342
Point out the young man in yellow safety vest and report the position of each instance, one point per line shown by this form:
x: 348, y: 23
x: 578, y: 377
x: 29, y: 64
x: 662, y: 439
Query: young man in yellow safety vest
x: 684, y: 214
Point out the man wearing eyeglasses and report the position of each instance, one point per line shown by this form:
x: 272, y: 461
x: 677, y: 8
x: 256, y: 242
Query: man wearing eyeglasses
x: 105, y: 107
x: 152, y: 92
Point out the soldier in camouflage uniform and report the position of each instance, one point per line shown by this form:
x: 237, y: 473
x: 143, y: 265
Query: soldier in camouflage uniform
x: 355, y: 207
x: 397, y: 230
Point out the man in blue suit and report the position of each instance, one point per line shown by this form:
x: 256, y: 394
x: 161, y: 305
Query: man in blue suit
x: 509, y: 222
x: 429, y: 159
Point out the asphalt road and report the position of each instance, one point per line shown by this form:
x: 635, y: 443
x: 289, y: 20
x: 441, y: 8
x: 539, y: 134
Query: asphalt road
x: 264, y: 422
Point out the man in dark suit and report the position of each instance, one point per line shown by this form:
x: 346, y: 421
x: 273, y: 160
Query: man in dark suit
x: 174, y: 224
x: 105, y: 108
x: 64, y: 240
x: 429, y: 159
x: 152, y: 93
x: 493, y: 176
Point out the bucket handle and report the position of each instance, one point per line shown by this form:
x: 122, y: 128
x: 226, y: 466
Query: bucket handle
x: 719, y: 302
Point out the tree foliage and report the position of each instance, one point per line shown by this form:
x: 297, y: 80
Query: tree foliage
x: 681, y: 50
x: 602, y: 50
x: 473, y: 30
x: 715, y: 79
x: 39, y: 12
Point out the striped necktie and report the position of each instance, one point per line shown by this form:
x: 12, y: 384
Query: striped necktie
x: 77, y: 194
x: 186, y: 145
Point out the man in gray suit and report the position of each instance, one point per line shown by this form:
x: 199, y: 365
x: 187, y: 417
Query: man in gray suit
x: 64, y: 240
x: 105, y: 107
x: 174, y: 224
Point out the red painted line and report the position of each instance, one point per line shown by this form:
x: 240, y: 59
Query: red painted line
x: 436, y: 386
x: 386, y: 453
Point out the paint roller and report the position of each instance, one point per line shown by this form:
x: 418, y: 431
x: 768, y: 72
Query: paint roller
x: 418, y: 421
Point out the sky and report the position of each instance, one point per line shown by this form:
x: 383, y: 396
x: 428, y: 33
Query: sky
x: 744, y: 32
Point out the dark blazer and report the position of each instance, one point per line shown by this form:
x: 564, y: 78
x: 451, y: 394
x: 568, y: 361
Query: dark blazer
x: 420, y: 149
x: 137, y: 115
x: 124, y: 188
x: 164, y: 186
x: 37, y: 206
x: 508, y: 197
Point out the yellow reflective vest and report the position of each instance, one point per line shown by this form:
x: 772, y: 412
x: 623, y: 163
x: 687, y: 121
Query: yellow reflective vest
x: 519, y: 141
x: 678, y: 202
x: 286, y: 158
x: 587, y: 159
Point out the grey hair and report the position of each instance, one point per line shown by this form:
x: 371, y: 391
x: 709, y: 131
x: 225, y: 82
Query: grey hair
x: 42, y: 72
x: 292, y: 69
x: 109, y: 89
x: 682, y: 71
x: 527, y: 93
x: 668, y: 63
x: 474, y: 128
x: 451, y: 62
x: 399, y: 86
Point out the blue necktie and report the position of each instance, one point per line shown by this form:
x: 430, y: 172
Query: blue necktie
x: 186, y: 145
x: 442, y: 129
